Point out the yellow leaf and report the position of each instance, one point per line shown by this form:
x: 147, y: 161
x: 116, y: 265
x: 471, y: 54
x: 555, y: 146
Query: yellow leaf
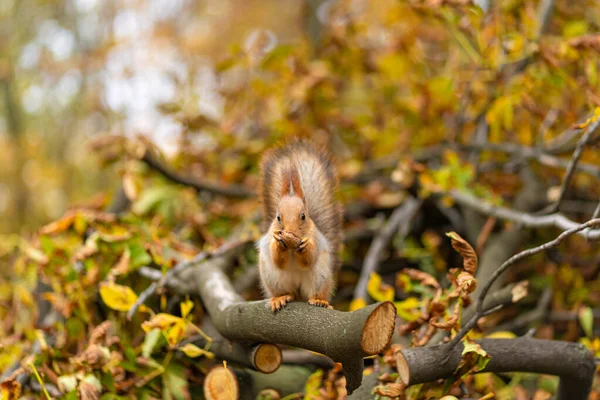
x: 501, y: 335
x: 408, y: 304
x: 186, y: 307
x: 175, y: 333
x: 357, y: 304
x: 193, y: 351
x: 10, y: 390
x: 378, y: 290
x: 117, y: 297
x: 161, y: 321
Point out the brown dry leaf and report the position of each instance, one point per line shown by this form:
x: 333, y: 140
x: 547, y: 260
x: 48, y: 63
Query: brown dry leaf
x: 88, y: 391
x: 95, y: 356
x: 391, y: 390
x: 422, y: 341
x: 122, y: 266
x: 99, y: 332
x: 519, y: 291
x: 590, y: 41
x: 466, y: 251
x: 450, y: 323
x: 423, y: 277
x: 466, y: 282
x: 59, y: 302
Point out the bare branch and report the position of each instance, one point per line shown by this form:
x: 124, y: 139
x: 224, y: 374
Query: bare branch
x: 511, y: 261
x: 401, y: 215
x: 236, y: 191
x: 533, y: 221
x: 573, y: 162
x: 203, y: 256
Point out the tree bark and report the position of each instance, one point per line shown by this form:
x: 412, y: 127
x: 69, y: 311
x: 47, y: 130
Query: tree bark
x: 345, y: 337
x: 571, y: 362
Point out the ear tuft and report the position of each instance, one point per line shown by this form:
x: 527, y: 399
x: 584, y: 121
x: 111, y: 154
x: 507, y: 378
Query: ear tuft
x: 296, y: 186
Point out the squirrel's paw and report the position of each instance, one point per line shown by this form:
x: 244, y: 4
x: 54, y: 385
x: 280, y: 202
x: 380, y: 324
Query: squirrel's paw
x: 319, y: 303
x: 302, y: 245
x: 277, y: 303
x: 279, y: 240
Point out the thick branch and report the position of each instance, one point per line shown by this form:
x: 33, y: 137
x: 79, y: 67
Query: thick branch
x: 401, y: 215
x: 236, y: 191
x: 572, y: 362
x: 345, y: 337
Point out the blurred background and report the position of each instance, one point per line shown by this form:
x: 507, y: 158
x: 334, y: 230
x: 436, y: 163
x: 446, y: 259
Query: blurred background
x: 79, y: 69
x: 198, y: 76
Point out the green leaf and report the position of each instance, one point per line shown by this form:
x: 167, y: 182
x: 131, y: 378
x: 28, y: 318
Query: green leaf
x: 586, y: 319
x: 150, y: 341
x: 139, y: 256
x: 175, y: 384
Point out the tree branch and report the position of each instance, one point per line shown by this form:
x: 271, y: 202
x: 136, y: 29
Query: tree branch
x: 203, y: 256
x: 533, y: 221
x: 571, y: 362
x: 401, y: 215
x: 236, y: 191
x: 574, y: 160
x: 511, y: 261
x: 345, y: 337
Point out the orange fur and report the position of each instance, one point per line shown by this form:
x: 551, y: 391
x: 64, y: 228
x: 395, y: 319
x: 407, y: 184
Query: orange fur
x: 299, y: 185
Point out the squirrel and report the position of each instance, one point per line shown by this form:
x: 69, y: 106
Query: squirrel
x: 299, y: 254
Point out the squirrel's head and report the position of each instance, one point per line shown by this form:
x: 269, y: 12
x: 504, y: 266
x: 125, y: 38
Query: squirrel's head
x: 292, y: 215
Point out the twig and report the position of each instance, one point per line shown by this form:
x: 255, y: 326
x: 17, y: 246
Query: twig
x: 236, y: 191
x: 543, y: 15
x: 573, y: 163
x: 480, y: 301
x: 401, y: 215
x: 538, y: 313
x: 533, y: 221
x: 201, y: 257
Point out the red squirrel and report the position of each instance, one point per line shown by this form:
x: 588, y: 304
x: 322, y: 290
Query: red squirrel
x: 299, y: 254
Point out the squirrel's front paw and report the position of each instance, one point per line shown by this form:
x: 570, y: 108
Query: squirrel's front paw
x: 302, y: 245
x: 279, y: 240
x: 319, y: 303
x: 277, y: 303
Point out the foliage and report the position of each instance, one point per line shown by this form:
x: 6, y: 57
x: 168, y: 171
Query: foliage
x: 399, y: 91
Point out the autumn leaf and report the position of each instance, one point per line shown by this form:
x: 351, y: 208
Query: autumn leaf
x: 466, y: 251
x: 117, y: 297
x: 378, y: 290
x: 357, y: 304
x: 59, y: 225
x: 466, y: 282
x: 193, y: 351
x: 474, y: 358
x: 161, y: 321
x: 10, y: 389
x: 519, y: 291
x: 186, y: 307
x: 122, y: 266
x: 450, y: 323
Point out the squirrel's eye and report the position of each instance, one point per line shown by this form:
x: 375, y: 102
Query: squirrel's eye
x: 303, y: 217
x: 278, y: 217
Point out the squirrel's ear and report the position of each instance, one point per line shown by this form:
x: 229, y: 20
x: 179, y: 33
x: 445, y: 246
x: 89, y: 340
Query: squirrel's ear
x: 296, y: 186
x: 286, y: 187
